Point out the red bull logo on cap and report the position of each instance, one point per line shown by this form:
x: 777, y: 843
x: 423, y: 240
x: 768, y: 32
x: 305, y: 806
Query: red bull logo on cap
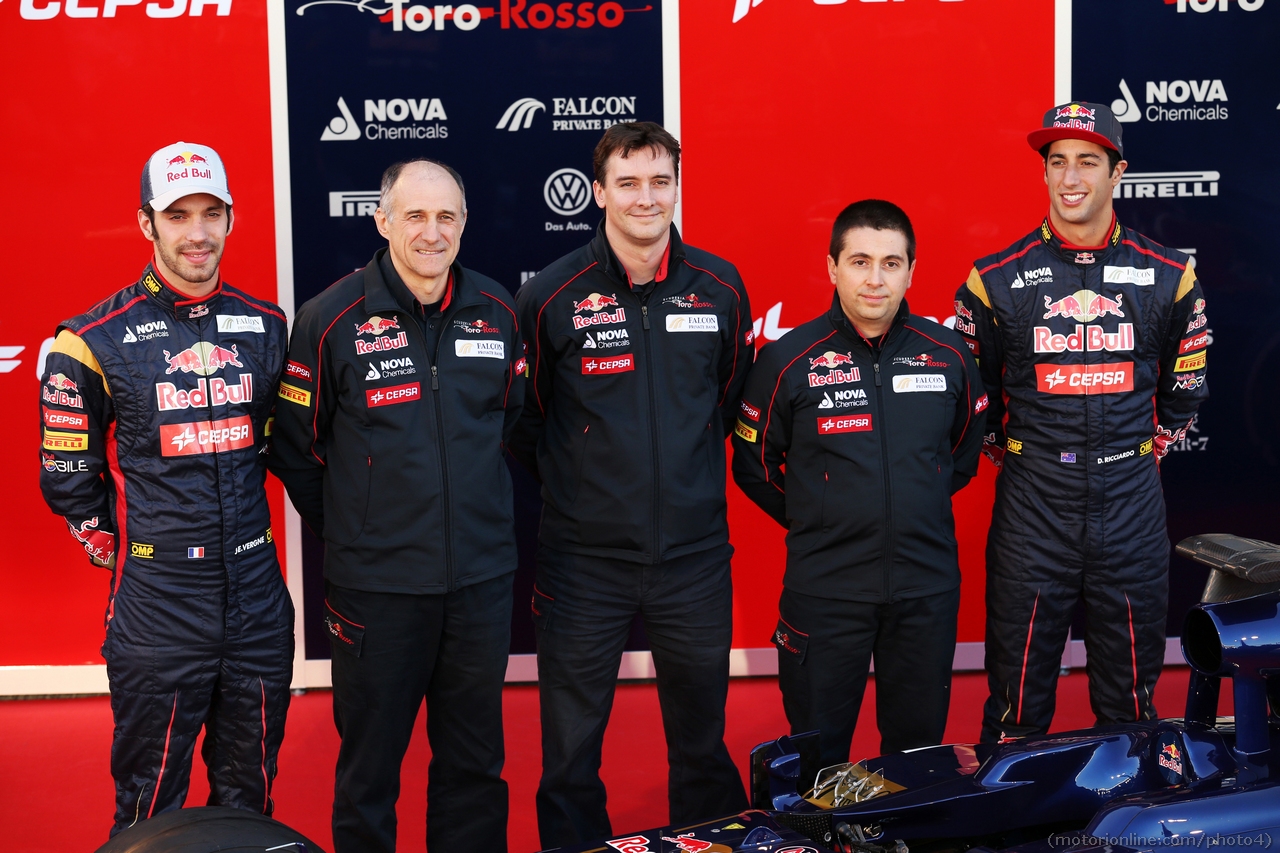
x: 1083, y: 305
x: 1076, y: 111
x: 202, y: 359
x: 186, y: 164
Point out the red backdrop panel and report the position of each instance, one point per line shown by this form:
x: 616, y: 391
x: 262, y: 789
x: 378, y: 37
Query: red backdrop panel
x: 86, y: 101
x: 799, y: 109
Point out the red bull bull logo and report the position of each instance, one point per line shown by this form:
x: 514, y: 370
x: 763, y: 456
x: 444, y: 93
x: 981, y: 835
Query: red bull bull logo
x: 962, y: 311
x: 1171, y: 758
x: 1076, y: 111
x: 830, y: 358
x: 202, y: 359
x: 1083, y: 305
x: 688, y: 844
x: 62, y: 383
x: 376, y: 325
x: 595, y: 302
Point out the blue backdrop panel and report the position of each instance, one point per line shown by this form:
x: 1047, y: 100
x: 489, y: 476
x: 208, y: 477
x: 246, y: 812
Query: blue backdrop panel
x: 1197, y: 87
x: 513, y: 95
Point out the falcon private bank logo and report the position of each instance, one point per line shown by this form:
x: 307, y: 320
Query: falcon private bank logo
x: 508, y: 14
x: 742, y: 7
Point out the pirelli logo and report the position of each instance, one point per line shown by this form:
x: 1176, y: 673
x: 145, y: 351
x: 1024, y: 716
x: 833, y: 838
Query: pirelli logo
x: 1188, y: 363
x: 294, y: 394
x: 67, y: 441
x: 745, y: 432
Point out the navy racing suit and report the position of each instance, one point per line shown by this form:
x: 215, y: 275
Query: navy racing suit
x: 155, y: 409
x: 1094, y: 359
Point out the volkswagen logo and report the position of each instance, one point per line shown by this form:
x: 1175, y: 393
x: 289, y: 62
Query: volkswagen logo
x: 567, y: 192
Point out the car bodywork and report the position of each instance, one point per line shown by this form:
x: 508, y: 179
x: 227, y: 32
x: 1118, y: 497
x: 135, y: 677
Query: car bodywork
x: 1197, y: 781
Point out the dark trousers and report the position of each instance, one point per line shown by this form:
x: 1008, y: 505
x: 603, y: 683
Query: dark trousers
x: 389, y: 651
x: 182, y: 659
x: 825, y: 648
x: 582, y: 611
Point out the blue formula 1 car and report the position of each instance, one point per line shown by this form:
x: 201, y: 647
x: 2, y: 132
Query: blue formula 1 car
x: 1200, y: 781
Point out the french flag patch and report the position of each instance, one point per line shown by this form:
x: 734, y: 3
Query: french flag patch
x: 195, y: 553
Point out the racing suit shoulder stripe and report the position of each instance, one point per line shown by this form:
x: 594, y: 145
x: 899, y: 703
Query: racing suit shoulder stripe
x: 736, y: 322
x: 764, y: 433
x: 1156, y: 255
x: 123, y: 308
x: 968, y: 392
x: 264, y: 309
x: 70, y: 344
x: 977, y: 287
x: 1188, y: 281
x: 1012, y: 257
x: 537, y: 326
x: 315, y: 399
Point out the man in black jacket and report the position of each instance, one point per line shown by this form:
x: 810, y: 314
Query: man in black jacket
x: 855, y: 430
x: 1093, y: 341
x: 403, y: 381
x: 638, y: 350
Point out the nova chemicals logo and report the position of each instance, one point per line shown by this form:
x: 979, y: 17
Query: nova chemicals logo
x: 567, y: 192
x: 382, y: 117
x: 1203, y: 94
x: 520, y: 113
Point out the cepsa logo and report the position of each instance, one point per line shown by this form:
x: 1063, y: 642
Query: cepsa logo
x: 82, y: 9
x: 510, y: 14
x: 741, y: 7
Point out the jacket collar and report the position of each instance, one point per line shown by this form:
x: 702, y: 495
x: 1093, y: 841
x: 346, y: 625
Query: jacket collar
x: 1073, y: 254
x: 842, y: 325
x: 612, y: 267
x: 379, y: 297
x: 183, y: 306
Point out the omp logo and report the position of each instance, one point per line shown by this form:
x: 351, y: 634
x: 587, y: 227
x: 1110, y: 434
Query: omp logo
x: 520, y: 113
x: 741, y: 7
x: 354, y: 203
x: 1210, y: 5
x: 1167, y: 185
x: 343, y: 127
x: 1160, y: 92
x: 567, y: 192
x: 82, y: 8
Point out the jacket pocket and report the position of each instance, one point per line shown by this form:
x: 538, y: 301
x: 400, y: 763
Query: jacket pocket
x: 579, y: 460
x: 540, y: 607
x: 791, y: 644
x: 347, y: 493
x: 343, y: 633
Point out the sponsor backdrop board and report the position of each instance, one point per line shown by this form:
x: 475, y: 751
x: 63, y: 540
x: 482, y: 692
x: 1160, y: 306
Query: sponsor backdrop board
x: 87, y: 99
x: 792, y: 109
x: 513, y: 95
x: 1197, y: 89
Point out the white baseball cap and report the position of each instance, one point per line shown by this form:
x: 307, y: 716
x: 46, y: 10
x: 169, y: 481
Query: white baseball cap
x: 183, y: 169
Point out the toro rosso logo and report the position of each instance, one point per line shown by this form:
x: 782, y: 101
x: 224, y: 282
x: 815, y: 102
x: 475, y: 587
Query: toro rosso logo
x: 1083, y: 305
x: 202, y: 359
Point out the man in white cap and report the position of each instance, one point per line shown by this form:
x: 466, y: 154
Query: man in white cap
x: 155, y: 406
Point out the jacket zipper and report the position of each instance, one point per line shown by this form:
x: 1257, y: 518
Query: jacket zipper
x: 653, y: 432
x: 884, y: 468
x: 444, y: 468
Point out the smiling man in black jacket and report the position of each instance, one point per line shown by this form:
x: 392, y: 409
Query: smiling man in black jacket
x: 638, y: 350
x: 855, y: 430
x: 403, y: 381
